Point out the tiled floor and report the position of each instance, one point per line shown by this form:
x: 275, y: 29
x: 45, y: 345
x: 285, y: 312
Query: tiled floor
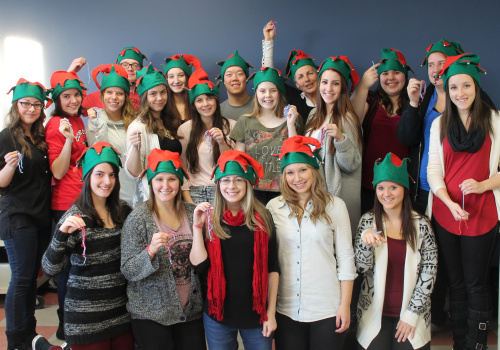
x: 47, y: 326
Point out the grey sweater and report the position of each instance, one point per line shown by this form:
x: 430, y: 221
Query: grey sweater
x: 152, y: 292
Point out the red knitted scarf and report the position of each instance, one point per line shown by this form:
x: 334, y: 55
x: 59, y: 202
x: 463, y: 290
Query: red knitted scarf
x: 216, y: 280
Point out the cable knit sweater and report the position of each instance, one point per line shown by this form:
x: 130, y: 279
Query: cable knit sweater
x: 420, y: 275
x: 95, y: 304
x: 151, y: 290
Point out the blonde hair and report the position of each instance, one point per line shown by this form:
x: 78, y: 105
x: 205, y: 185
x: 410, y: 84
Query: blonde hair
x: 319, y: 196
x: 128, y: 110
x: 250, y: 206
x: 278, y: 109
x: 178, y: 204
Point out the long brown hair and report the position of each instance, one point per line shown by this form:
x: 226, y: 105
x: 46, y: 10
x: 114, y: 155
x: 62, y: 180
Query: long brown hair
x: 153, y: 125
x: 172, y: 107
x: 196, y: 137
x: 480, y: 114
x: 278, y: 109
x: 58, y: 111
x: 319, y: 196
x: 13, y: 124
x: 250, y: 206
x: 178, y: 204
x: 386, y: 102
x: 408, y: 230
x: 86, y: 205
x: 343, y: 114
x: 128, y: 110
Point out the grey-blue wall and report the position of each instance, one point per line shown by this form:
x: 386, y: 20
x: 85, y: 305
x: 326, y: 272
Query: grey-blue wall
x: 211, y: 30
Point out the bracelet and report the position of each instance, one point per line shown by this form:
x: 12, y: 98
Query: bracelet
x: 198, y: 226
x: 67, y: 140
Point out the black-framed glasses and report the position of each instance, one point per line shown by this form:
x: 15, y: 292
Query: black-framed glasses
x: 133, y: 65
x: 28, y: 105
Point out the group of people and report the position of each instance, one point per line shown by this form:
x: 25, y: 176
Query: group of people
x: 289, y: 215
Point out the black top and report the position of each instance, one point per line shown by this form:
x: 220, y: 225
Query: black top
x: 237, y: 256
x: 172, y: 145
x: 26, y: 200
x: 293, y: 97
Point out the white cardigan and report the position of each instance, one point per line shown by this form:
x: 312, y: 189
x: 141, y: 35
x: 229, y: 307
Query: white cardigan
x: 420, y: 275
x: 435, y: 168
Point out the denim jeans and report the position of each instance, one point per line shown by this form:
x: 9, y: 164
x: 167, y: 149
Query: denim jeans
x: 200, y: 194
x: 220, y: 337
x: 24, y: 250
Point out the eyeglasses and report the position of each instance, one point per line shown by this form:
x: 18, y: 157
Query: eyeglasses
x: 239, y: 181
x: 133, y: 65
x: 28, y: 105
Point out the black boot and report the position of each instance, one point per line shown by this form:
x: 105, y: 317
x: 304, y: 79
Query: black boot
x: 458, y: 317
x: 60, y: 329
x: 477, y: 333
x: 15, y: 341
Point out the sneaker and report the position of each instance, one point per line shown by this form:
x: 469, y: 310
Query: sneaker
x: 66, y: 346
x: 40, y: 343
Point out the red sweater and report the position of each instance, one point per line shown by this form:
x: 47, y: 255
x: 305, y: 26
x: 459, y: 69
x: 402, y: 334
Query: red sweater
x: 66, y: 190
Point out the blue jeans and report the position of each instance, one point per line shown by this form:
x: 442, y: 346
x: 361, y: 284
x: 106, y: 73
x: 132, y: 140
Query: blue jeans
x: 220, y: 337
x: 25, y: 250
x: 200, y: 194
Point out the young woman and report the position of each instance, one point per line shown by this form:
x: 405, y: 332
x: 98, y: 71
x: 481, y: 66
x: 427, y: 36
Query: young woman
x: 203, y: 138
x: 334, y: 123
x: 315, y: 249
x: 66, y: 138
x: 153, y: 128
x: 464, y: 155
x: 25, y: 207
x: 379, y: 113
x: 237, y: 257
x: 396, y: 253
x: 261, y: 133
x: 89, y: 235
x: 177, y: 70
x: 110, y: 124
x: 164, y: 293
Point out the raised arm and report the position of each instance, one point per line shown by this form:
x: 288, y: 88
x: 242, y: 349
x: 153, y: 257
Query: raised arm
x: 359, y: 96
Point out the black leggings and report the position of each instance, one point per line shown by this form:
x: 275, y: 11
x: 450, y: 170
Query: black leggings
x: 386, y: 338
x: 150, y: 335
x: 467, y: 261
x: 294, y: 335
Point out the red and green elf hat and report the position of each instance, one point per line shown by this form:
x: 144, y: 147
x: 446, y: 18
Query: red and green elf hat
x: 268, y: 74
x: 199, y: 84
x: 133, y: 53
x: 24, y: 88
x: 164, y: 162
x: 343, y: 66
x: 238, y: 163
x: 296, y: 60
x: 149, y: 77
x: 393, y: 59
x: 297, y: 149
x: 234, y: 60
x: 61, y: 81
x: 467, y: 63
x: 391, y: 169
x: 113, y: 75
x: 101, y: 152
x: 449, y: 48
x: 184, y: 62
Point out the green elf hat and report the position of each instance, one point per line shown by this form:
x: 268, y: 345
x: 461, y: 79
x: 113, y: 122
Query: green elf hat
x: 101, y: 152
x: 184, y: 62
x: 296, y: 60
x: 467, y: 63
x: 449, y: 48
x: 268, y: 74
x: 234, y: 60
x: 149, y: 77
x: 164, y: 162
x: 24, y: 88
x: 61, y: 81
x: 391, y: 169
x: 297, y: 149
x: 199, y: 84
x: 239, y: 163
x: 343, y: 66
x: 133, y: 53
x: 395, y: 60
x: 113, y: 75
